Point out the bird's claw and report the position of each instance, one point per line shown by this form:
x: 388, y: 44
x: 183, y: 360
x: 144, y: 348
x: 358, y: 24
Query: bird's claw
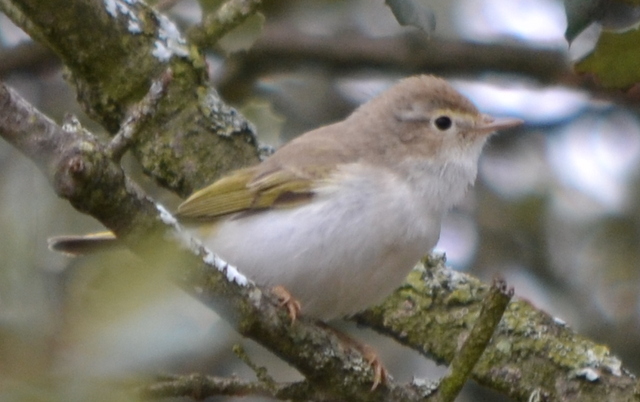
x: 286, y: 300
x: 379, y: 372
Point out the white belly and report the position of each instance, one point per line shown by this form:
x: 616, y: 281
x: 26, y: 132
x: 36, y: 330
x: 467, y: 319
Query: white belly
x: 346, y: 250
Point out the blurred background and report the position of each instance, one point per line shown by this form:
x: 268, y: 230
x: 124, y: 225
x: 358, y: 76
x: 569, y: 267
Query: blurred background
x: 555, y: 210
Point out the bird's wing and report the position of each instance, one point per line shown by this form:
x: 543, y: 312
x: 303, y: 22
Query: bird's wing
x: 244, y: 190
x: 285, y: 180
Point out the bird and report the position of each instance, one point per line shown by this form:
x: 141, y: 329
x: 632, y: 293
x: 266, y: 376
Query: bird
x: 338, y: 216
x: 341, y: 214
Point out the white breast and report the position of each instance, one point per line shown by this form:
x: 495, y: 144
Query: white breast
x: 347, y: 249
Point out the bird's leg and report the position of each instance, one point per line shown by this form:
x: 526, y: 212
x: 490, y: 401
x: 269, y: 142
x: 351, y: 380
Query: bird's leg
x: 292, y: 305
x: 370, y: 355
x: 379, y: 372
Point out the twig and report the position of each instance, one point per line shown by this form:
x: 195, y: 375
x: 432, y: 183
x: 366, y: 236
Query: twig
x: 215, y: 25
x: 200, y: 387
x: 260, y: 371
x: 19, y: 18
x: 166, y: 4
x: 26, y: 56
x: 281, y: 43
x: 460, y: 368
x: 138, y: 115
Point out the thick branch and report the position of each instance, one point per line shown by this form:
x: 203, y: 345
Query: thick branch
x: 141, y: 44
x: 530, y: 352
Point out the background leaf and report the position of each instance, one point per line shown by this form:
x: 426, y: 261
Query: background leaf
x: 581, y: 14
x: 414, y: 13
x: 615, y: 59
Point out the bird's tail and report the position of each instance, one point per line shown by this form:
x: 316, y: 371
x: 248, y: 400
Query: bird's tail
x: 85, y: 244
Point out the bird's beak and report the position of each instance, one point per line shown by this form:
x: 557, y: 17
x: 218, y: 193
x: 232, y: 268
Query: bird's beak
x: 488, y: 124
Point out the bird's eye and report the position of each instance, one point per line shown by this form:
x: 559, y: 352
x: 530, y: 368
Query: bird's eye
x: 443, y: 123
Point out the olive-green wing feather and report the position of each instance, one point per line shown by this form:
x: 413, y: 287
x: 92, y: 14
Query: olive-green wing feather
x: 243, y: 191
x: 224, y: 196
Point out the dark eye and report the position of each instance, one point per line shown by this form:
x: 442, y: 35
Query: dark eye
x: 443, y: 123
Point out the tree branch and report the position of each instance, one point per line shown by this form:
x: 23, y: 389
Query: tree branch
x: 530, y: 352
x: 493, y: 307
x: 200, y: 387
x: 281, y: 42
x: 191, y: 122
x: 215, y: 25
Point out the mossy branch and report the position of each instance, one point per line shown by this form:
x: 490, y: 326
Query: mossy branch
x: 530, y: 353
x: 190, y: 124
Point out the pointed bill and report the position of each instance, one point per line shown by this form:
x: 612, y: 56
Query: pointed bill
x: 489, y: 124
